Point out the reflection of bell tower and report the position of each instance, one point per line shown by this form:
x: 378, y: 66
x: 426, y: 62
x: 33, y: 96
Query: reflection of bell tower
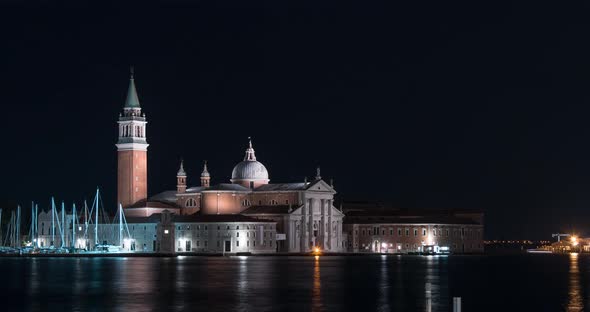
x: 131, y: 151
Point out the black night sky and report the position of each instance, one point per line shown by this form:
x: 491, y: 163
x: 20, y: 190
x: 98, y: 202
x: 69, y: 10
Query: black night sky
x: 424, y: 105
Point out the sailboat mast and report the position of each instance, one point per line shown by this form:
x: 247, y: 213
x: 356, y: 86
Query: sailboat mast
x: 33, y: 223
x: 37, y: 225
x: 52, y: 221
x: 63, y: 224
x: 18, y: 226
x: 96, y: 220
x: 120, y: 226
x: 73, y: 225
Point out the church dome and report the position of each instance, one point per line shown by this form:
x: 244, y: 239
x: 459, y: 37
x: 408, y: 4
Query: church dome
x: 250, y: 172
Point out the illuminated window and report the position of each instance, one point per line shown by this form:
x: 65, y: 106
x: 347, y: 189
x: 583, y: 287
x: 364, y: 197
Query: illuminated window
x: 165, y: 231
x: 191, y: 202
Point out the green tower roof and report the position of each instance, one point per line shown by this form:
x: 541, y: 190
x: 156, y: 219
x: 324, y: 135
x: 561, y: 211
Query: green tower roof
x: 132, y: 99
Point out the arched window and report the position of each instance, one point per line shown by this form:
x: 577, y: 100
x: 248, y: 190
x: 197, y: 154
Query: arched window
x: 273, y: 202
x: 191, y: 202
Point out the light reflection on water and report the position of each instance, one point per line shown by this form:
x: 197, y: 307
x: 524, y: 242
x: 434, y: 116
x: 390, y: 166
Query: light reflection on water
x: 575, y: 293
x: 317, y: 286
x: 325, y: 283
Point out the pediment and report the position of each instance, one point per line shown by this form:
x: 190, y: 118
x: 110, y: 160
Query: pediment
x: 320, y: 186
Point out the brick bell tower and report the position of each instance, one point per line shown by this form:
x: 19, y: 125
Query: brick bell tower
x: 131, y: 151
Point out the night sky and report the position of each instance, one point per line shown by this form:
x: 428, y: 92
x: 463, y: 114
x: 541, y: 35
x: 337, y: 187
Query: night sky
x: 424, y: 105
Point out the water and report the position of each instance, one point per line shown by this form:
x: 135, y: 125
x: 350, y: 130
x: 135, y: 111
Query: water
x: 369, y: 283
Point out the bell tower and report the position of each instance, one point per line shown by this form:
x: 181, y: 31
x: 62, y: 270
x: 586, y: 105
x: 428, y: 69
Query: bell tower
x: 131, y: 151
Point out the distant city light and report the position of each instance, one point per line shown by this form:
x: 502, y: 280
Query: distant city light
x: 165, y: 231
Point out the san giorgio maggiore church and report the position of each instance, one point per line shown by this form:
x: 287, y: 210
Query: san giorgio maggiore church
x: 248, y: 214
x: 251, y: 215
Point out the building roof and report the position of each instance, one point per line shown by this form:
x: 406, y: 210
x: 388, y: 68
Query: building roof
x: 166, y: 197
x: 228, y: 187
x: 281, y: 187
x: 195, y: 189
x: 276, y: 209
x: 411, y: 220
x: 154, y: 218
x: 197, y: 217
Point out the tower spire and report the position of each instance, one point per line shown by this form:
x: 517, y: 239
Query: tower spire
x: 181, y: 178
x: 250, y: 156
x: 181, y: 172
x: 205, y: 176
x: 132, y: 98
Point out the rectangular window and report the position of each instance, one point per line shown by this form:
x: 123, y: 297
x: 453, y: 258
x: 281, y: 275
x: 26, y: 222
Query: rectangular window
x: 407, y: 232
x: 205, y: 243
x: 399, y: 232
x: 254, y: 243
x: 391, y: 232
x: 423, y: 232
x: 237, y: 243
x: 415, y: 232
x: 237, y: 234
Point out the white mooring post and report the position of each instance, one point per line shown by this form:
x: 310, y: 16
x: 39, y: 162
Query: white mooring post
x: 456, y: 304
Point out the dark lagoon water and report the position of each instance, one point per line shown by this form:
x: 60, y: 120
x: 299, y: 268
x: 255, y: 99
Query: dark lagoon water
x: 368, y: 283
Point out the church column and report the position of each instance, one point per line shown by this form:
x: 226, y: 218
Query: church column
x: 323, y: 224
x: 311, y: 203
x: 330, y: 228
x: 302, y: 228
